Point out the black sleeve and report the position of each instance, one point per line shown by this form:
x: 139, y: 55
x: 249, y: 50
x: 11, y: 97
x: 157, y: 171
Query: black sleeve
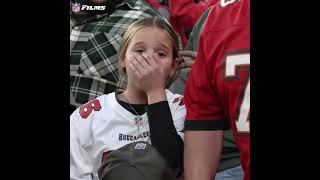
x: 164, y: 136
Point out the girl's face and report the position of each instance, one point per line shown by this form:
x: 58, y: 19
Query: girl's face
x: 151, y: 41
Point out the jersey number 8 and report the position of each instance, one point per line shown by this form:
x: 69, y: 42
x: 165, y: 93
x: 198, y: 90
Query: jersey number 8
x: 86, y: 109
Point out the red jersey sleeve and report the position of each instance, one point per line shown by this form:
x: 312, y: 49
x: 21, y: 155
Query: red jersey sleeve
x: 204, y: 110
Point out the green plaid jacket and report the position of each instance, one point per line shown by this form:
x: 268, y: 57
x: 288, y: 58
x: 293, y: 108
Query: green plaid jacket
x: 94, y: 50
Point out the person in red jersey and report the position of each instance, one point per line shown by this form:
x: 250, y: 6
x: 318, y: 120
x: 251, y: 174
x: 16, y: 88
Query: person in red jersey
x: 184, y: 14
x: 217, y: 94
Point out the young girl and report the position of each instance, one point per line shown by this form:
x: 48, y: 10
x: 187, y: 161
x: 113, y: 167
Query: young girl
x: 145, y: 111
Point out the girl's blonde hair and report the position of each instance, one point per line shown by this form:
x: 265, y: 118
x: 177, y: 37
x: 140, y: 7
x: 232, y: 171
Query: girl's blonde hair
x: 143, y: 23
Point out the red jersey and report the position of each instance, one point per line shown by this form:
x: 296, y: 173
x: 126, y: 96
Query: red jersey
x: 183, y: 15
x: 217, y: 93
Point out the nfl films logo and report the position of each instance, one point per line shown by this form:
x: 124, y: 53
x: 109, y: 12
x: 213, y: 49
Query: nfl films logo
x: 75, y: 7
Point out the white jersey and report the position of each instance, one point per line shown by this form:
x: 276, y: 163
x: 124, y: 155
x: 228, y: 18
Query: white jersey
x: 103, y: 125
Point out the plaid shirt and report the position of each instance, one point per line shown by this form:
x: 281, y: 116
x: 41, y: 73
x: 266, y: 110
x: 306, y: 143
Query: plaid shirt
x: 94, y: 48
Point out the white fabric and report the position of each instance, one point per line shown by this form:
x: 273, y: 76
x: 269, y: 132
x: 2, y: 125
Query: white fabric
x: 107, y: 129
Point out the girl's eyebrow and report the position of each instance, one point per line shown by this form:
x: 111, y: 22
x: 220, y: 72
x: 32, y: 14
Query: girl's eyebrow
x: 138, y: 43
x: 142, y: 43
x: 164, y: 46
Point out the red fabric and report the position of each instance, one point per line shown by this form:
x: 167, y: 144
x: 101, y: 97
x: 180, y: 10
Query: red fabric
x: 154, y: 4
x: 180, y: 31
x: 212, y: 2
x: 185, y: 13
x: 218, y: 85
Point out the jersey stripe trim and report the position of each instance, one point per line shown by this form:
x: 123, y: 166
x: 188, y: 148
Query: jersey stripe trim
x: 206, y: 125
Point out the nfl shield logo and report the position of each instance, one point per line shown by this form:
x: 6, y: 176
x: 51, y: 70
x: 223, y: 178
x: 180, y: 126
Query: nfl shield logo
x: 75, y: 7
x: 138, y: 121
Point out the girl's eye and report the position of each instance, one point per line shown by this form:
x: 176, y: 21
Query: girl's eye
x: 161, y: 54
x: 139, y: 51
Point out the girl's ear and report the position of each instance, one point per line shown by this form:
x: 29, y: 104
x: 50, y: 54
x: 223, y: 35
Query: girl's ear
x: 172, y: 76
x: 174, y: 71
x: 122, y: 64
x: 174, y: 66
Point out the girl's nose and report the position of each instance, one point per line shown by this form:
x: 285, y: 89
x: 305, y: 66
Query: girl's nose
x: 147, y: 55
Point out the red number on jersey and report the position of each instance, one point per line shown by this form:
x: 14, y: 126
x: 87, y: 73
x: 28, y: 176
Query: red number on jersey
x: 86, y: 109
x: 181, y: 102
x: 179, y: 99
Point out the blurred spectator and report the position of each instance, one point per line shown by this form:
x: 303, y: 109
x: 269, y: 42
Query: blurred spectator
x: 184, y: 14
x: 192, y: 44
x: 94, y: 43
x: 154, y: 3
x: 161, y: 7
